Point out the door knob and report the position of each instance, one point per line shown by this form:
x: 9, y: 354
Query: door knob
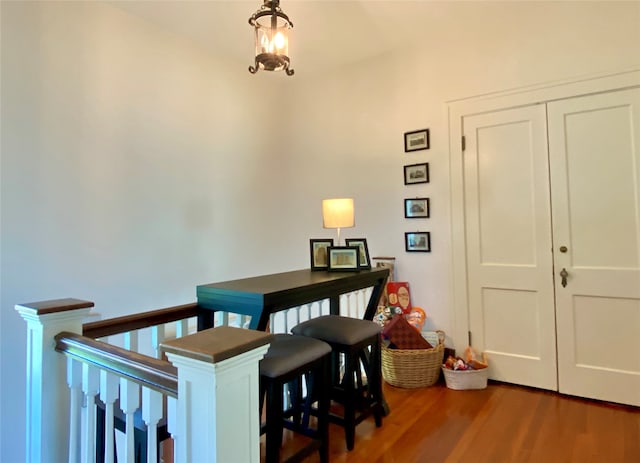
x: 563, y: 249
x: 564, y: 274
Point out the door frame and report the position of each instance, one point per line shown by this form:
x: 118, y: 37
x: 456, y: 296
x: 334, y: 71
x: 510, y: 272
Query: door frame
x: 457, y: 110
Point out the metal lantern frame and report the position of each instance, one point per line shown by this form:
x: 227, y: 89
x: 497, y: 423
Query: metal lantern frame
x: 267, y: 60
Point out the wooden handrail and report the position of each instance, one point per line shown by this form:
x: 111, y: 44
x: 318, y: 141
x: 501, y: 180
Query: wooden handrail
x: 138, y: 321
x: 148, y: 371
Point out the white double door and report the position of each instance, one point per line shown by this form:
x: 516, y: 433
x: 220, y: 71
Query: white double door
x: 552, y: 224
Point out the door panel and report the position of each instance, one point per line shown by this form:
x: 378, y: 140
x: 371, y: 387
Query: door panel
x: 508, y: 233
x: 505, y: 309
x: 595, y: 184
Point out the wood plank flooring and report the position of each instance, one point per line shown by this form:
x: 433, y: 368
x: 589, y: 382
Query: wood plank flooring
x: 503, y: 423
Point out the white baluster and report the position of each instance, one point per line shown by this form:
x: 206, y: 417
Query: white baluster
x: 307, y: 306
x: 74, y: 381
x: 131, y: 341
x: 129, y: 403
x: 157, y: 336
x: 366, y: 294
x: 151, y: 414
x: 90, y: 387
x: 182, y: 328
x: 108, y: 394
x: 272, y: 322
x: 362, y: 302
x: 344, y: 305
x: 324, y: 308
x: 299, y: 313
x: 318, y: 309
x: 172, y: 421
x: 352, y: 304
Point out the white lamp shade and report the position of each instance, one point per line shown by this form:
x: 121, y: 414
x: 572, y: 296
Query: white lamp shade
x: 338, y: 213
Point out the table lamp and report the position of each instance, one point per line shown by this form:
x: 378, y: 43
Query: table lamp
x: 338, y: 213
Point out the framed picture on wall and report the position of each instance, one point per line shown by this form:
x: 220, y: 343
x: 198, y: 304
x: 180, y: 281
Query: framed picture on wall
x: 416, y: 140
x: 361, y: 243
x: 318, y: 249
x: 417, y: 241
x: 343, y: 258
x: 416, y: 173
x: 416, y: 208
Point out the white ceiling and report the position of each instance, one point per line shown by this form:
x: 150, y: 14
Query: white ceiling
x: 326, y: 33
x: 333, y: 33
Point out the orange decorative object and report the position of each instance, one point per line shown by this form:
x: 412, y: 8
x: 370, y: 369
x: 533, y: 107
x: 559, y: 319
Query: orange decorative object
x: 416, y: 318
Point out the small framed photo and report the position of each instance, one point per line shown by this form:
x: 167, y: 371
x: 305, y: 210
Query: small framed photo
x: 416, y: 208
x: 417, y: 241
x: 343, y: 258
x: 416, y: 140
x: 361, y: 243
x: 319, y: 253
x: 416, y: 173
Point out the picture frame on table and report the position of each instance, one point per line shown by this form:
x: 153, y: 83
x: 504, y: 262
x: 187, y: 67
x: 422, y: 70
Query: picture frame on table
x: 417, y: 241
x: 361, y: 243
x: 318, y: 248
x: 343, y: 258
x: 416, y: 208
x: 416, y: 173
x: 416, y: 140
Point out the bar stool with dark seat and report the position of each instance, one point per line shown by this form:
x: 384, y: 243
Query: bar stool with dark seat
x: 358, y: 341
x: 290, y: 362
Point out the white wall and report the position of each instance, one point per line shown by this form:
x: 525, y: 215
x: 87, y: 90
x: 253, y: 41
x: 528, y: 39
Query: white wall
x: 135, y: 167
x: 356, y: 116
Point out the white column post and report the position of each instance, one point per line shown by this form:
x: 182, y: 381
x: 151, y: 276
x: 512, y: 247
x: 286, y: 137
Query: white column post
x: 218, y: 394
x: 47, y: 411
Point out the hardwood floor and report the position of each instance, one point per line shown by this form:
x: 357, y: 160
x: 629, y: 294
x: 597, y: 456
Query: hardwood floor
x: 503, y: 423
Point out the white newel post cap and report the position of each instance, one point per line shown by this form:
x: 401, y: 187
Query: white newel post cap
x: 47, y: 412
x: 218, y: 417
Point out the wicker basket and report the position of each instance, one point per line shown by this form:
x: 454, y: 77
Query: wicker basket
x: 411, y: 368
x: 466, y: 379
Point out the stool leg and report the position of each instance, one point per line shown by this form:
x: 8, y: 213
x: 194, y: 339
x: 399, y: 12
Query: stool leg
x: 262, y: 394
x: 275, y: 392
x: 375, y: 381
x: 350, y: 399
x: 311, y: 380
x: 295, y: 398
x: 324, y: 402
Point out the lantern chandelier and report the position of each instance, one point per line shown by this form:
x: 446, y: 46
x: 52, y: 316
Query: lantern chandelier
x: 271, y: 38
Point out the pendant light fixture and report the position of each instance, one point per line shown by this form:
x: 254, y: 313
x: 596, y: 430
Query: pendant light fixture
x: 271, y: 27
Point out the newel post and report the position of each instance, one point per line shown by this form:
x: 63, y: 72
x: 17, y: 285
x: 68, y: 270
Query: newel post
x: 218, y: 394
x: 47, y: 411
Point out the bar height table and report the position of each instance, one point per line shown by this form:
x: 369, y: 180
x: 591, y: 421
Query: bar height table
x: 261, y: 296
